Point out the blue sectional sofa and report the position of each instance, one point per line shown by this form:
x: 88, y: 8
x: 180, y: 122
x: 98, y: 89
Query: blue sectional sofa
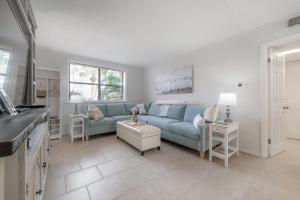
x: 112, y: 113
x: 177, y: 126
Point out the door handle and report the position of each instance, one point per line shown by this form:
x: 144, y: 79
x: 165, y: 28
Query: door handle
x: 39, y: 192
x: 44, y: 165
x: 286, y: 107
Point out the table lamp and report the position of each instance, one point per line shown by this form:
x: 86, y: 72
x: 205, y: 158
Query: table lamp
x: 76, y: 99
x: 228, y: 99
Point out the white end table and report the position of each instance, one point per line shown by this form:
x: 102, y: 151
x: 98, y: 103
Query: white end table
x: 77, y: 126
x: 224, y: 133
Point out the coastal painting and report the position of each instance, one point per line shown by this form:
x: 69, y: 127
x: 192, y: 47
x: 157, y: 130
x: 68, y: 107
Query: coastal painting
x: 176, y: 81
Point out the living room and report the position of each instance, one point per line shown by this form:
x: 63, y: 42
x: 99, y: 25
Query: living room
x: 149, y: 99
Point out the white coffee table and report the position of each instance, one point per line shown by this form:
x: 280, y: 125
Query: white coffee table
x: 140, y: 135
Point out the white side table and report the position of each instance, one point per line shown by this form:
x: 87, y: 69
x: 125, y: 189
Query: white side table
x: 77, y: 126
x: 224, y: 133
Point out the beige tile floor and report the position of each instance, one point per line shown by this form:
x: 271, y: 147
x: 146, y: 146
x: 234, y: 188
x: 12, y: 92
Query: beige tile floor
x: 107, y: 168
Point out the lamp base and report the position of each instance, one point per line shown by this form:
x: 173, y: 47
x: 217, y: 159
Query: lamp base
x: 76, y: 110
x: 228, y: 120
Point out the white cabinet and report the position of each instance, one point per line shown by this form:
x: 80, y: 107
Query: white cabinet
x: 37, y: 163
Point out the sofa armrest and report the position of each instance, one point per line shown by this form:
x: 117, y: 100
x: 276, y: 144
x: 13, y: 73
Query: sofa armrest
x: 86, y: 126
x: 203, y: 136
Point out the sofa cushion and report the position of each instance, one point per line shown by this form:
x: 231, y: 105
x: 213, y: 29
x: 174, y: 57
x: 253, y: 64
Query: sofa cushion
x: 121, y: 117
x: 147, y: 107
x: 128, y: 106
x: 154, y: 110
x: 143, y: 118
x: 106, y: 121
x: 191, y: 111
x: 160, y: 122
x: 102, y: 107
x: 185, y: 129
x: 176, y: 112
x: 116, y: 109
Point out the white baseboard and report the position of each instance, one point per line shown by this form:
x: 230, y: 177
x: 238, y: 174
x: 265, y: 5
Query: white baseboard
x: 250, y: 152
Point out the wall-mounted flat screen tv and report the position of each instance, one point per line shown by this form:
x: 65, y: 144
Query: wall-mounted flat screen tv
x: 13, y: 54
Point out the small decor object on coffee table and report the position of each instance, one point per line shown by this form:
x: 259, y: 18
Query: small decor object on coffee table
x: 140, y: 135
x: 135, y: 119
x: 77, y: 126
x: 224, y: 133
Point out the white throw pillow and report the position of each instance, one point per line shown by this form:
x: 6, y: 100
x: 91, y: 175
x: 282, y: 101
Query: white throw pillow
x: 95, y: 113
x: 141, y: 108
x: 163, y: 110
x: 211, y: 113
x: 198, y: 121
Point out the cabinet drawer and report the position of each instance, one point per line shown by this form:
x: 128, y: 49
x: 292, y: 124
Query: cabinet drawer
x: 219, y: 129
x: 77, y: 119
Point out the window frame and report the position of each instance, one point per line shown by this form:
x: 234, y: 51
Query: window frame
x: 99, y: 67
x: 9, y: 50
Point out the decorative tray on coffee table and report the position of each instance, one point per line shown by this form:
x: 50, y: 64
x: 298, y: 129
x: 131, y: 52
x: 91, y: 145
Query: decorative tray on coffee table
x: 132, y: 123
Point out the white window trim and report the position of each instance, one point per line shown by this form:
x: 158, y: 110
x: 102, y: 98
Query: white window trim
x: 11, y: 54
x: 97, y: 65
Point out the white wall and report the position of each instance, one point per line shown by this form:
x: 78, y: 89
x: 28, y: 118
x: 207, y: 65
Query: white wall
x: 57, y: 60
x: 218, y: 68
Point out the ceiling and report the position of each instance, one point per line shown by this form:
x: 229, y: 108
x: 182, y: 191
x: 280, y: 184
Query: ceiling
x: 292, y: 57
x: 12, y: 31
x: 140, y: 32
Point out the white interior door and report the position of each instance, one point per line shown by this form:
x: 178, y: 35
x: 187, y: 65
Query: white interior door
x: 277, y: 105
x: 293, y: 100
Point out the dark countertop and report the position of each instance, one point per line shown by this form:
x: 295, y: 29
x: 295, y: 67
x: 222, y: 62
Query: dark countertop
x: 15, y: 129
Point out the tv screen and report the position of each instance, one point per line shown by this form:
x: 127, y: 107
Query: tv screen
x: 13, y: 54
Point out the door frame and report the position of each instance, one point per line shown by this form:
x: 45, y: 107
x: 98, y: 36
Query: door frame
x: 264, y: 88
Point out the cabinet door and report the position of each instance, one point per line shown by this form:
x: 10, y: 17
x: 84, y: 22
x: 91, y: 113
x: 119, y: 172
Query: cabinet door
x: 37, y: 177
x: 30, y: 190
x: 43, y: 162
x: 44, y: 153
x: 47, y: 146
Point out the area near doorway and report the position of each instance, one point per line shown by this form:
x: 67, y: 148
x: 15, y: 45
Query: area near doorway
x: 283, y: 70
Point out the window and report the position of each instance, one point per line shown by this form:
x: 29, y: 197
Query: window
x: 95, y: 83
x: 4, y: 58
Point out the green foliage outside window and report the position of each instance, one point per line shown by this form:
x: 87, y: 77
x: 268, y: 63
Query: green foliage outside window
x: 84, y: 80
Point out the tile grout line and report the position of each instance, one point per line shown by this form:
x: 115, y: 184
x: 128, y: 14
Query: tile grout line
x: 99, y: 172
x: 65, y: 178
x: 88, y: 191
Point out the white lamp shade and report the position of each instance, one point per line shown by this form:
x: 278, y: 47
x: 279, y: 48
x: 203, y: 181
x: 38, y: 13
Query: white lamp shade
x: 76, y: 99
x: 228, y: 99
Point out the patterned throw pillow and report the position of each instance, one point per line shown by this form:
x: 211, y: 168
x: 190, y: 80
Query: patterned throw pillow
x: 211, y: 113
x: 198, y: 121
x: 95, y: 113
x: 141, y: 108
